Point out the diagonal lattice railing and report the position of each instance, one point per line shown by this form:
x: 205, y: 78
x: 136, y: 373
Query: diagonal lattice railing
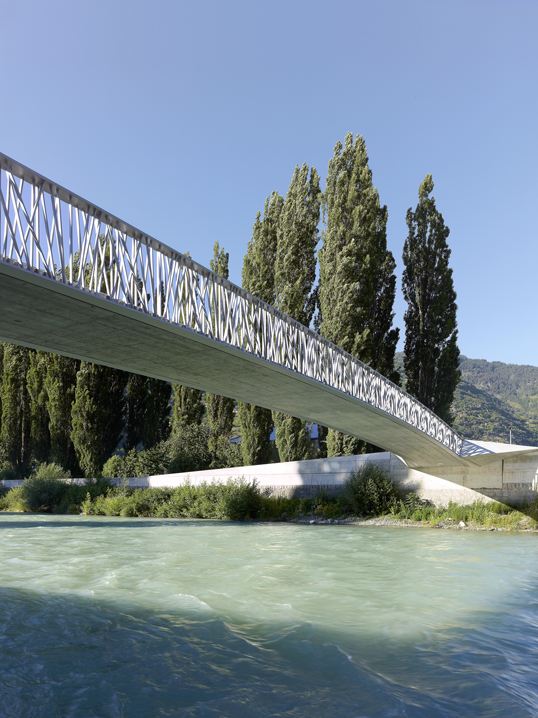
x: 46, y: 229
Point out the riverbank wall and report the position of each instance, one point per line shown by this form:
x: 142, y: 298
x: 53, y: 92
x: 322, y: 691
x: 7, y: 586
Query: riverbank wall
x: 511, y: 480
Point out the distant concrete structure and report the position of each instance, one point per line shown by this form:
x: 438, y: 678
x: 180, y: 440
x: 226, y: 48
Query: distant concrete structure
x: 77, y: 281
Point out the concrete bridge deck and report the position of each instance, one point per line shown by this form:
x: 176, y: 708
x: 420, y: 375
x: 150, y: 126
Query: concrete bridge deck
x: 138, y: 305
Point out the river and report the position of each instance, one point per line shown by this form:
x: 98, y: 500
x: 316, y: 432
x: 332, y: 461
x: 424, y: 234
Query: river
x: 115, y: 617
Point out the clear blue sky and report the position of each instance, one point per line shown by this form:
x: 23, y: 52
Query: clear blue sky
x: 181, y: 117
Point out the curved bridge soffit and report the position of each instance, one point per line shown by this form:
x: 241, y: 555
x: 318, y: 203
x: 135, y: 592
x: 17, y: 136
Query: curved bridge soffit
x: 50, y: 231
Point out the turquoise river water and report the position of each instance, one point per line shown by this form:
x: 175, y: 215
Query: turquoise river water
x: 140, y: 617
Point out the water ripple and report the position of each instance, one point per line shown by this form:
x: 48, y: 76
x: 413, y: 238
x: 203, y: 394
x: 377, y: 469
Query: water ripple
x: 183, y: 618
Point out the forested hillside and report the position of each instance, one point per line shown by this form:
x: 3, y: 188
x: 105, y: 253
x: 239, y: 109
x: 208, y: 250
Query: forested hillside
x: 492, y: 397
x: 516, y: 385
x: 481, y: 415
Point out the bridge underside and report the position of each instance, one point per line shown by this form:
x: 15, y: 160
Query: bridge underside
x: 42, y: 314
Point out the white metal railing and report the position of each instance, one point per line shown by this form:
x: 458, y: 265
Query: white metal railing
x: 46, y: 229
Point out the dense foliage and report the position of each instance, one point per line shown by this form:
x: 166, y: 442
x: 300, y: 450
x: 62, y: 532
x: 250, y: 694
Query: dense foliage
x: 357, y: 282
x: 517, y: 385
x: 219, y: 409
x: 97, y: 415
x: 369, y: 491
x: 187, y: 449
x: 15, y: 424
x: 431, y: 353
x: 295, y: 273
x: 50, y: 490
x: 258, y: 278
x: 72, y: 413
x: 237, y: 500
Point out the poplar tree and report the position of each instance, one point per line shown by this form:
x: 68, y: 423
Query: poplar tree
x: 147, y: 411
x: 431, y: 354
x: 220, y: 409
x: 157, y: 424
x: 258, y: 278
x: 295, y: 273
x: 97, y: 415
x: 188, y: 406
x: 357, y: 280
x: 39, y: 416
x: 16, y: 415
x: 1, y: 382
x: 60, y: 383
x: 136, y: 394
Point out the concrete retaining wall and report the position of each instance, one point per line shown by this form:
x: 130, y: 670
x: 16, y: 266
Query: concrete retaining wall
x: 511, y: 480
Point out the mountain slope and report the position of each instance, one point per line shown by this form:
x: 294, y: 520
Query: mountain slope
x: 482, y: 416
x: 492, y: 397
x: 515, y: 384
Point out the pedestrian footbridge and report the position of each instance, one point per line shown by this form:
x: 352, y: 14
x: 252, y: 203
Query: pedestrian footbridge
x: 78, y: 281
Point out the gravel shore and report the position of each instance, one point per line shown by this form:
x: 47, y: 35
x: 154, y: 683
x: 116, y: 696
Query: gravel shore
x: 449, y: 524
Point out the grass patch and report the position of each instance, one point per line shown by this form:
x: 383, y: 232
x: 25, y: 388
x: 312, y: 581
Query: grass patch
x: 491, y: 514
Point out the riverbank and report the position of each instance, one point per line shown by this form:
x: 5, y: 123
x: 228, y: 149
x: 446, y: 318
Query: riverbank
x: 526, y: 525
x: 367, y: 502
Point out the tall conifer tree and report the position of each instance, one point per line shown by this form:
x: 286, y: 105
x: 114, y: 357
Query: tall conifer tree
x: 15, y: 435
x: 220, y: 409
x: 357, y: 280
x: 295, y: 273
x: 60, y: 383
x: 147, y: 411
x: 97, y: 415
x: 1, y: 382
x: 157, y: 421
x: 136, y: 395
x: 188, y: 406
x: 258, y: 278
x: 39, y: 415
x: 431, y: 354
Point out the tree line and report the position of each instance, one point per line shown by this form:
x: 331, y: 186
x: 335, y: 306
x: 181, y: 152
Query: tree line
x: 77, y: 413
x: 352, y: 302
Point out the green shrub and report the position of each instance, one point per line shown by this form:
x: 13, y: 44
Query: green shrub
x: 188, y: 449
x: 114, y: 467
x: 185, y: 451
x: 42, y: 493
x: 7, y: 472
x: 51, y: 471
x: 368, y: 491
x: 240, y: 500
x: 226, y: 455
x: 14, y: 500
x: 148, y: 462
x: 233, y: 501
x: 413, y: 507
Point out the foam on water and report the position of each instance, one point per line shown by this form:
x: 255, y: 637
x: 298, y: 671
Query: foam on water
x: 139, y: 617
